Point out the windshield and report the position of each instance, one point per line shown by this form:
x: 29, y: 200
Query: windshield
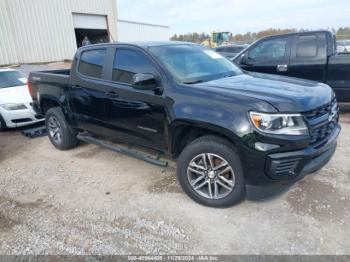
x: 193, y: 64
x: 11, y: 78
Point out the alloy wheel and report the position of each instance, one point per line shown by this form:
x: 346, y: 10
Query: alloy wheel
x: 211, y: 176
x: 55, y: 130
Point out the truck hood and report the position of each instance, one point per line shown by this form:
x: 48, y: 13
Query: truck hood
x: 286, y: 94
x: 14, y: 95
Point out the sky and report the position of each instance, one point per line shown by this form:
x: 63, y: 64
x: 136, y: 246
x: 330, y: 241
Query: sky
x: 237, y: 16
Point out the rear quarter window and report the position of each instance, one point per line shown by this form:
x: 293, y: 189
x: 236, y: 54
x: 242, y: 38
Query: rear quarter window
x: 307, y: 46
x: 91, y: 63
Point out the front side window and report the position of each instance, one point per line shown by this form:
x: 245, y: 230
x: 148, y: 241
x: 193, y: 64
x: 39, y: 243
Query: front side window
x: 11, y: 78
x: 194, y: 63
x: 269, y: 50
x: 127, y: 63
x: 91, y: 63
x: 235, y: 49
x: 307, y: 46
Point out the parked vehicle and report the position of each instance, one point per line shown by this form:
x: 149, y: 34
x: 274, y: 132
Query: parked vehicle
x: 342, y: 48
x: 226, y: 128
x: 230, y: 51
x: 15, y: 100
x: 308, y: 55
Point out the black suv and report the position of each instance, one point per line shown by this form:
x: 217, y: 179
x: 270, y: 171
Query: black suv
x: 226, y: 128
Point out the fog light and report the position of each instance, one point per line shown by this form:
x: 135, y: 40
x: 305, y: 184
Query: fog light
x: 265, y: 147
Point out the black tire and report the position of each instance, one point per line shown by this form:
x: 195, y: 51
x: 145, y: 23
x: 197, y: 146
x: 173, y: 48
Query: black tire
x: 67, y: 134
x: 2, y: 124
x: 222, y: 148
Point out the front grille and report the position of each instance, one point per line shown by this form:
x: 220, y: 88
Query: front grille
x: 322, y: 122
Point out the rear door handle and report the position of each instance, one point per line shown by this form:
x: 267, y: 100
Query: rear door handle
x: 282, y: 68
x: 75, y: 87
x: 113, y: 94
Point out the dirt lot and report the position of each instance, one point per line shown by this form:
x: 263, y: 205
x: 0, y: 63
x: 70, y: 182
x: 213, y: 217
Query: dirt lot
x: 90, y: 200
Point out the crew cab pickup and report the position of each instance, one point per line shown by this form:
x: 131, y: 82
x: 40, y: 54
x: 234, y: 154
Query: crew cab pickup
x: 307, y: 55
x: 226, y: 128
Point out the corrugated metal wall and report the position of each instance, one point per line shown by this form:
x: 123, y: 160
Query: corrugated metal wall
x: 129, y: 31
x: 34, y: 31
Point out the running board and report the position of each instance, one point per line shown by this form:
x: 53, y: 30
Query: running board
x: 126, y: 151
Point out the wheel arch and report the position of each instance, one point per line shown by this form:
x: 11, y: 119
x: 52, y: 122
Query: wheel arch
x: 48, y: 102
x: 183, y: 132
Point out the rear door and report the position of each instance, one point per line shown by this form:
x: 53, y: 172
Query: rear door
x: 88, y: 90
x: 268, y: 56
x: 309, y: 57
x: 135, y: 116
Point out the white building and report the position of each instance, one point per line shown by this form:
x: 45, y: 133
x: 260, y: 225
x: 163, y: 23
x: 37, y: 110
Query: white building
x: 131, y: 31
x: 36, y: 31
x: 33, y: 31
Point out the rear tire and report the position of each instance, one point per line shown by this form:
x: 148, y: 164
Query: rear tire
x: 60, y: 133
x: 210, y: 172
x: 2, y: 124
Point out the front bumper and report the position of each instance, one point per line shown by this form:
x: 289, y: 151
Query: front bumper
x: 287, y: 167
x: 18, y: 118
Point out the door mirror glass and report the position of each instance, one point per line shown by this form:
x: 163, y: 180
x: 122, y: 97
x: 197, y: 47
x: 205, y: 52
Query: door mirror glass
x: 244, y: 59
x: 144, y: 82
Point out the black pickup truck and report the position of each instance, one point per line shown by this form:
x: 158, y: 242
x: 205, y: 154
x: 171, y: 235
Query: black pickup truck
x: 308, y: 55
x: 226, y: 128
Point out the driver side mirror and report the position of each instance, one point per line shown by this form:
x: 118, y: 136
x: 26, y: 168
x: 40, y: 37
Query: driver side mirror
x: 245, y: 59
x: 144, y: 82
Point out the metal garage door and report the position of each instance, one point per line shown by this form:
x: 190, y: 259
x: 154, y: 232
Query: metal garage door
x: 86, y: 21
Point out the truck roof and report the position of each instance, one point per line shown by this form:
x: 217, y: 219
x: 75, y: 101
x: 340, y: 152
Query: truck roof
x: 141, y: 44
x: 298, y: 33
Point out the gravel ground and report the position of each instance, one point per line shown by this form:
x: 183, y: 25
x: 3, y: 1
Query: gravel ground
x: 93, y: 201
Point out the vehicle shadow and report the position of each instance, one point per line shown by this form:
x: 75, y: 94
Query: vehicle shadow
x: 267, y: 192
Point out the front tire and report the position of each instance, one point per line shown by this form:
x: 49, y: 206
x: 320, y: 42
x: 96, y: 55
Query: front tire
x: 61, y: 134
x: 2, y: 124
x: 210, y: 172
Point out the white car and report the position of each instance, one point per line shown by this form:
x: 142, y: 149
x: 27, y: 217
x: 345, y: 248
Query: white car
x: 15, y: 101
x: 343, y: 46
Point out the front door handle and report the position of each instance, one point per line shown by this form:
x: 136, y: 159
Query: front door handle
x: 282, y: 68
x: 113, y: 94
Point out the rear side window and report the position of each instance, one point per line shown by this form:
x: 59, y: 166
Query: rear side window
x: 127, y: 63
x: 91, y: 63
x: 269, y: 50
x: 307, y: 46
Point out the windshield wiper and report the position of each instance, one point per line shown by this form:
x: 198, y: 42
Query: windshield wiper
x: 192, y: 82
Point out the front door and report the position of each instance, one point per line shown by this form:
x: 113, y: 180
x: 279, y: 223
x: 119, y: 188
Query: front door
x: 269, y: 56
x: 135, y: 116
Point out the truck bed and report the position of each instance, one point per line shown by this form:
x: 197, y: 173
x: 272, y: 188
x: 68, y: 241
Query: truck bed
x: 53, y: 83
x: 51, y: 76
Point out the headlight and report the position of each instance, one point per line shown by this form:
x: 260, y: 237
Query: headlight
x: 279, y: 124
x: 12, y: 107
